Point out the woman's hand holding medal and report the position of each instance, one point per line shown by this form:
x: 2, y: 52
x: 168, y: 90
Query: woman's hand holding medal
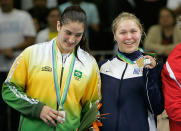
x: 150, y: 62
x: 50, y: 116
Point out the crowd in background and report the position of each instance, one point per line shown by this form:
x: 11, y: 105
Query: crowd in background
x: 101, y: 16
x: 27, y: 22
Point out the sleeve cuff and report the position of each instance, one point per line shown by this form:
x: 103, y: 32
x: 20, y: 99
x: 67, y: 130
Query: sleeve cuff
x: 37, y: 110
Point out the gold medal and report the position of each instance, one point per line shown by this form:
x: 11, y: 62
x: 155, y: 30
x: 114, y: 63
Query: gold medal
x: 140, y: 62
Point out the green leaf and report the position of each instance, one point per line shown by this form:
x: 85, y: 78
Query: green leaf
x: 89, y: 118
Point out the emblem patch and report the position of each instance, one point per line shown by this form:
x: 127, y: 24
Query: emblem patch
x: 46, y: 68
x: 77, y: 74
x: 137, y: 70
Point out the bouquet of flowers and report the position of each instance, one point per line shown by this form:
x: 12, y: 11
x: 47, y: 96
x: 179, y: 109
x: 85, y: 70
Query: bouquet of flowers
x: 91, y: 118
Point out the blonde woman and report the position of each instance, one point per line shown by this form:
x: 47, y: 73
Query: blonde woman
x: 131, y: 84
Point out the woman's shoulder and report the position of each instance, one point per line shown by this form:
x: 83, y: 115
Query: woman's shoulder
x: 177, y: 29
x: 85, y: 57
x: 44, y: 47
x: 155, y: 28
x: 110, y: 64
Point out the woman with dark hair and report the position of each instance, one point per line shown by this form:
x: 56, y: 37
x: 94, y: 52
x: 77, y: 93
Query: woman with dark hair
x: 50, y: 31
x: 164, y: 36
x: 53, y: 84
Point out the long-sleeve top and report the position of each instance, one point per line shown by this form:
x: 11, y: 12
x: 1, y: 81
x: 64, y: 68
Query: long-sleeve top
x: 153, y: 40
x: 30, y: 85
x: 131, y: 95
x: 171, y: 79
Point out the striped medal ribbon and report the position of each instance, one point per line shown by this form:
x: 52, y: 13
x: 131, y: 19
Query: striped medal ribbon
x: 139, y: 61
x: 61, y: 99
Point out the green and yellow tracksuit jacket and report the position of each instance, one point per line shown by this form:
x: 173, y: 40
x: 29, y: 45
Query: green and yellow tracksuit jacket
x: 30, y: 85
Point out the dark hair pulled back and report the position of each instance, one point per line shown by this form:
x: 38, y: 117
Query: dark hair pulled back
x: 75, y: 13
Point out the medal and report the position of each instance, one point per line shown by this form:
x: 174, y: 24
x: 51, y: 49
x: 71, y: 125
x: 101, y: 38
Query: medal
x: 62, y: 118
x: 147, y: 62
x: 140, y: 62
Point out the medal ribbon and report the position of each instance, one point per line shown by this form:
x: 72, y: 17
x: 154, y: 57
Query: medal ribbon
x: 60, y: 99
x: 125, y: 59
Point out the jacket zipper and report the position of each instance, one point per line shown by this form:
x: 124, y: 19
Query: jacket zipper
x: 147, y: 91
x: 61, y: 76
x: 117, y: 125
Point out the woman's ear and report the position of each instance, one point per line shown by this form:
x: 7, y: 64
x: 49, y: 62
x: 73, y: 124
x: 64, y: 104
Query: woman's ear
x: 114, y: 38
x: 58, y: 26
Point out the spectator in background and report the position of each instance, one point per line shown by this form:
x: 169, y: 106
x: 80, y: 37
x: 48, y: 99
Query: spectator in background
x: 164, y: 36
x: 147, y: 11
x: 39, y: 11
x: 51, y: 31
x: 28, y: 4
x: 16, y: 32
x: 89, y: 8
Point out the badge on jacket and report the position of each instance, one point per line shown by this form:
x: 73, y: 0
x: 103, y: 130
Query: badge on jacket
x: 77, y: 75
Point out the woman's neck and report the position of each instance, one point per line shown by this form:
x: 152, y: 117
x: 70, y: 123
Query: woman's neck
x: 134, y: 55
x: 168, y: 31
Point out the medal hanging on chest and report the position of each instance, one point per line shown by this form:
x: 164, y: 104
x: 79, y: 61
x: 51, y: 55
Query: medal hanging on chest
x: 61, y: 98
x: 139, y: 61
